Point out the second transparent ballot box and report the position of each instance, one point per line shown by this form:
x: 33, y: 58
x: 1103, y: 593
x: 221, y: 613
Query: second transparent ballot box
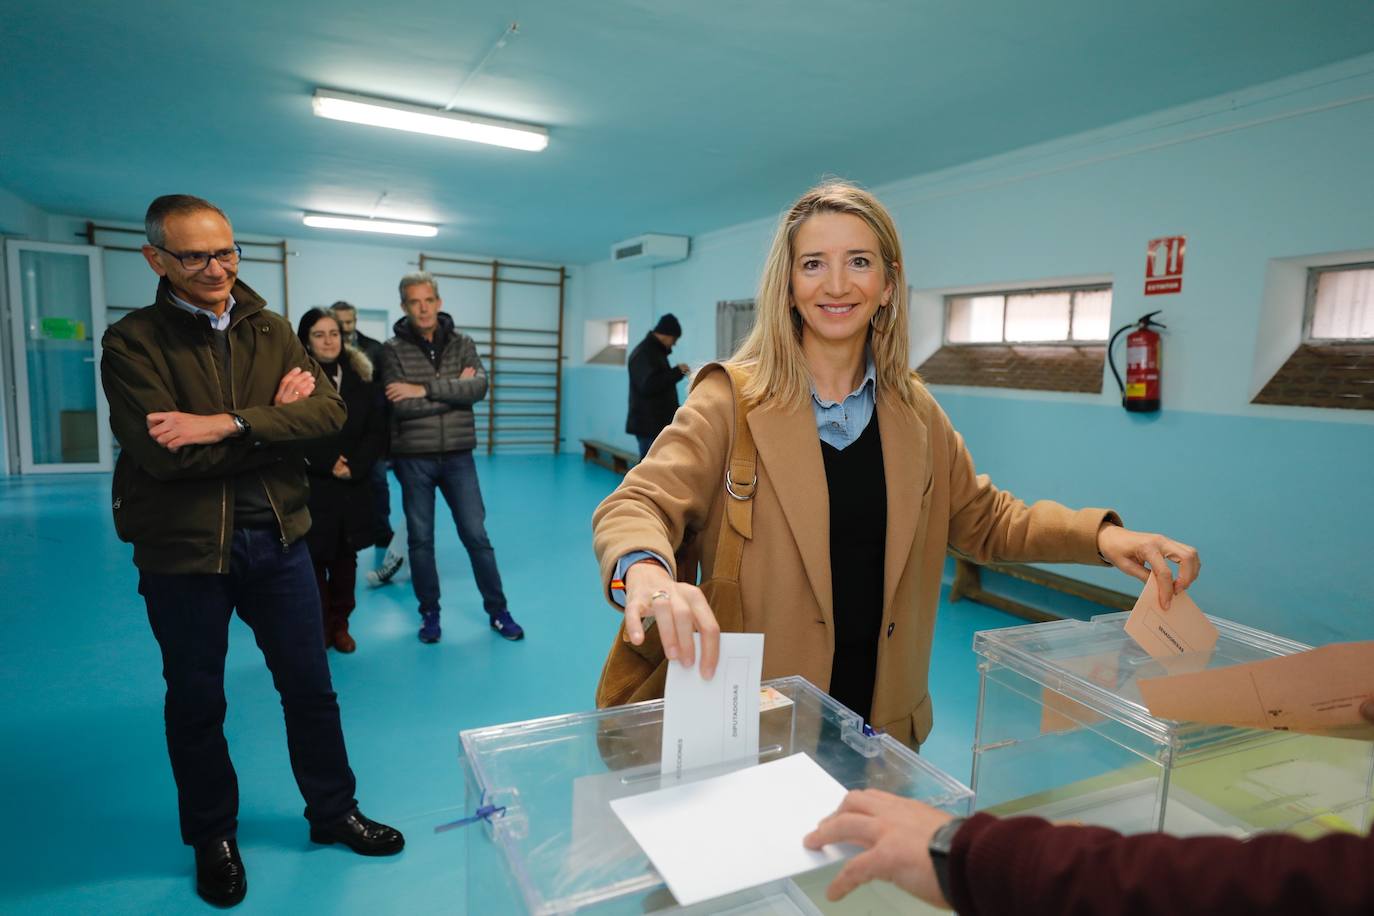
x: 1063, y: 733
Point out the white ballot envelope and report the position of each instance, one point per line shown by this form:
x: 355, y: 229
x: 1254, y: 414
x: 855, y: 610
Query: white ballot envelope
x: 715, y: 721
x: 736, y: 831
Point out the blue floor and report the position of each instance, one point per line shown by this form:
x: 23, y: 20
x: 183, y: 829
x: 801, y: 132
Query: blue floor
x: 88, y: 797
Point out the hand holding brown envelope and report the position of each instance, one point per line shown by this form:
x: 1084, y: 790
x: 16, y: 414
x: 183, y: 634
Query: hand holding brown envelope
x: 1319, y: 692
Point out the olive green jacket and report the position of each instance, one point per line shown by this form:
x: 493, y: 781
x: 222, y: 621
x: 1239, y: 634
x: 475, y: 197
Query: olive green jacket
x: 177, y: 508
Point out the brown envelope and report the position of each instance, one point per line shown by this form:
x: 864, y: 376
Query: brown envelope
x: 1319, y: 692
x: 1182, y: 629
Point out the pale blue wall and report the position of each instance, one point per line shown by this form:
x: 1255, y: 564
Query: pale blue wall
x: 723, y: 265
x: 1277, y: 499
x: 20, y: 218
x: 319, y: 272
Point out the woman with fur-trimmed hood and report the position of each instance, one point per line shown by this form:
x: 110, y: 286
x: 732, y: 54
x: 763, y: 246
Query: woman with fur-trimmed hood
x: 340, y: 500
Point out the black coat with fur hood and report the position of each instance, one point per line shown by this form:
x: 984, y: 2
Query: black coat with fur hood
x: 338, y: 505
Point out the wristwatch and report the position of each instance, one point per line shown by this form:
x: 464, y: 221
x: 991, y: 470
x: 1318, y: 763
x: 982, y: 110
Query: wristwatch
x: 940, y: 845
x: 241, y: 426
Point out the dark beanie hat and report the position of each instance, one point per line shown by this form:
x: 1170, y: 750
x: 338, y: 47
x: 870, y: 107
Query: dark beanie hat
x: 668, y: 326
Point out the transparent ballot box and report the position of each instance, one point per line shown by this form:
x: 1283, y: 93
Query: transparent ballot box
x: 559, y: 848
x: 1062, y: 733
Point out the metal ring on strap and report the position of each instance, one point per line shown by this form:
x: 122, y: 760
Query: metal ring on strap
x: 730, y: 487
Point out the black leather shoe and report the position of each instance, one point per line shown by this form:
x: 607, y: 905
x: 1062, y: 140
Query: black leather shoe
x: 364, y: 836
x: 220, y: 876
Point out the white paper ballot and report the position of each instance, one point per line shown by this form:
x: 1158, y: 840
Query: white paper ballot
x: 715, y: 721
x: 736, y: 831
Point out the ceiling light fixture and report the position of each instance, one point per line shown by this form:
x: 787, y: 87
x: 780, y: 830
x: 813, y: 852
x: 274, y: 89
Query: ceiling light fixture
x: 343, y: 106
x: 365, y: 224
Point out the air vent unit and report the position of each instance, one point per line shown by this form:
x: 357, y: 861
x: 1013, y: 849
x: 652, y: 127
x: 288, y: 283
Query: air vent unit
x: 650, y: 250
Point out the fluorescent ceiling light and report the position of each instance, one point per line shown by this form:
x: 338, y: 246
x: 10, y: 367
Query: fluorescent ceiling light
x: 342, y: 106
x: 363, y: 224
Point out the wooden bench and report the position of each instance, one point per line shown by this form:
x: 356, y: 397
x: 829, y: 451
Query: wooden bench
x: 608, y: 456
x: 968, y: 583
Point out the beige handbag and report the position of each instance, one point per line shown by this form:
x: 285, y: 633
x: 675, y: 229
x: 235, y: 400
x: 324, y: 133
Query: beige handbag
x: 633, y: 673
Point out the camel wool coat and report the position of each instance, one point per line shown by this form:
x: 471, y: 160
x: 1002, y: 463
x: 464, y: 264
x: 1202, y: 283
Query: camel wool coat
x: 934, y: 500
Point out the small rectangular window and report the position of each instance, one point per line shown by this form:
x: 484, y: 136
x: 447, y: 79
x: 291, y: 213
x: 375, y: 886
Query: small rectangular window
x: 605, y: 341
x: 975, y: 319
x: 1038, y: 317
x: 1092, y: 314
x: 1071, y: 315
x: 734, y: 321
x: 1340, y: 303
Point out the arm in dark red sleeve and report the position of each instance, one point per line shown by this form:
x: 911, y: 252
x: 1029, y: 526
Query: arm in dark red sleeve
x: 1028, y: 866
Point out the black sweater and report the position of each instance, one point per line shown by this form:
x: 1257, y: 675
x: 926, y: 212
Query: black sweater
x: 858, y: 535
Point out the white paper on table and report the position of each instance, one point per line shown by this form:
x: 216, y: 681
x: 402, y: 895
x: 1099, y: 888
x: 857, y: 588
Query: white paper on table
x: 715, y: 721
x: 735, y: 831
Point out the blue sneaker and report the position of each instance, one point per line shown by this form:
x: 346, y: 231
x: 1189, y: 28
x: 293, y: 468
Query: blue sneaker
x: 503, y: 623
x: 429, y: 627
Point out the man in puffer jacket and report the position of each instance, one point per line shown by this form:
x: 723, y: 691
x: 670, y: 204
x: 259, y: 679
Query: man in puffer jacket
x: 433, y: 376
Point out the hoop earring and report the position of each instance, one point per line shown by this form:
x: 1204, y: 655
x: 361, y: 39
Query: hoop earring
x: 890, y: 321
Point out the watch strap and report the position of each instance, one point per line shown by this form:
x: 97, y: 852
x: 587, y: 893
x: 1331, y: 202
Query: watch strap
x: 940, y: 844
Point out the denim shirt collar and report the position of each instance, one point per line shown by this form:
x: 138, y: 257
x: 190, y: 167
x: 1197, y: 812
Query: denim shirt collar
x: 870, y: 380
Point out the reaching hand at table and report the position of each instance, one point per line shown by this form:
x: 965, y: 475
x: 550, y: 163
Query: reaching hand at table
x: 895, y: 833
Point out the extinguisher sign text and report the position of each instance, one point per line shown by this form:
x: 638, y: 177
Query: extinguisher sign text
x: 1164, y: 265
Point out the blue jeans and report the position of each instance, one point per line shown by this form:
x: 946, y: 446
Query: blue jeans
x: 644, y: 443
x: 454, y: 475
x: 273, y: 589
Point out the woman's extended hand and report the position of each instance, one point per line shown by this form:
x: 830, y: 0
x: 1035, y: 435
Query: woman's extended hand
x: 1133, y: 551
x: 679, y: 609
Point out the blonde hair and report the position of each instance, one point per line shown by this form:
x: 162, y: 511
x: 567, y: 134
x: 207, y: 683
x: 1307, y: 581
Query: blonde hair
x: 772, y: 351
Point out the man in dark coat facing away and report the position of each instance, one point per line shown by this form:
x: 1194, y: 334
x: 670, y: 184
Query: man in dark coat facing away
x: 653, y: 383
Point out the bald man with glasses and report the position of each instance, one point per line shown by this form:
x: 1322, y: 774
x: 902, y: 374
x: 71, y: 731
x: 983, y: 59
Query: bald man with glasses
x: 210, y: 397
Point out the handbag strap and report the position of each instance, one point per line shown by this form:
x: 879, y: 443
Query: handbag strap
x: 741, y: 481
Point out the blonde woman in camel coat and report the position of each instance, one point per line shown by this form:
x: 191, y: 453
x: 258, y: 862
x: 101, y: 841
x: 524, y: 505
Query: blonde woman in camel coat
x: 832, y: 331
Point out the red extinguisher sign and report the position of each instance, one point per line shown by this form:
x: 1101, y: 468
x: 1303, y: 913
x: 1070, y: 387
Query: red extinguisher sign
x: 1164, y: 265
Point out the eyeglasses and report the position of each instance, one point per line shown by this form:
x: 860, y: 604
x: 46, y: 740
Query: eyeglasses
x: 199, y: 260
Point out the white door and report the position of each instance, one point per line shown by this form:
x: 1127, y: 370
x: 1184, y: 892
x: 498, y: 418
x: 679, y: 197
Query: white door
x: 57, y: 306
x: 375, y: 323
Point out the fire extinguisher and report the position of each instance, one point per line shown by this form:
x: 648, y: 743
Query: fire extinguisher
x: 1140, y: 393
